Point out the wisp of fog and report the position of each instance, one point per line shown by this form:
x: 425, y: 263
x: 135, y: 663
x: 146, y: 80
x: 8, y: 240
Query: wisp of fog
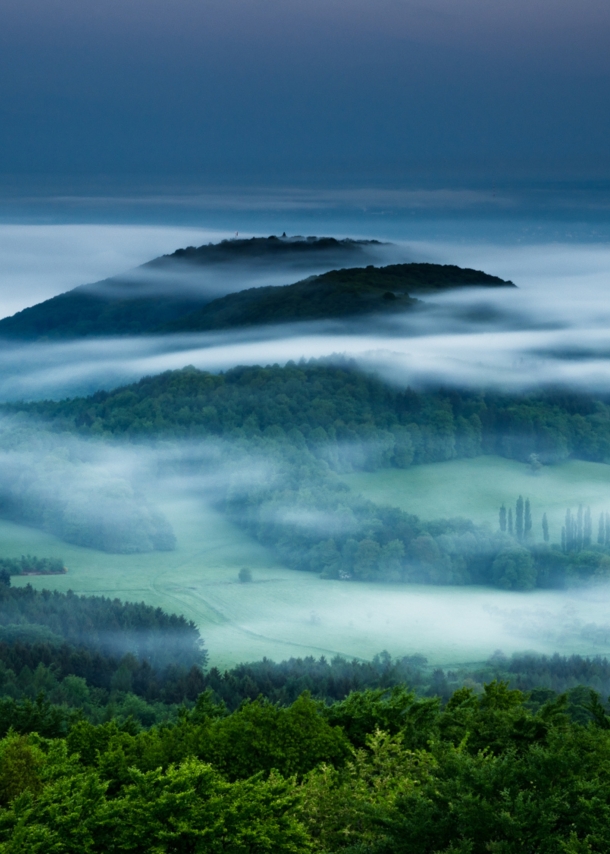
x: 551, y: 329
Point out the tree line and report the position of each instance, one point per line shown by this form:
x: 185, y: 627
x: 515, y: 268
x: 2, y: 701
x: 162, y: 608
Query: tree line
x: 95, y: 654
x: 30, y: 565
x: 577, y: 556
x: 334, y: 407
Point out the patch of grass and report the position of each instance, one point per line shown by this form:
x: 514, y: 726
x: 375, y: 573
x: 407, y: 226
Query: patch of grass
x: 476, y: 488
x: 284, y: 613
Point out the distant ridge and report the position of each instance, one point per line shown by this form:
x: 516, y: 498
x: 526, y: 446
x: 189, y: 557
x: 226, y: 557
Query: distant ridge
x: 333, y: 295
x: 165, y: 296
x: 254, y: 248
x: 163, y: 289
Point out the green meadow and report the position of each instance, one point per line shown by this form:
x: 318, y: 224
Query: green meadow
x: 284, y: 613
x: 477, y: 487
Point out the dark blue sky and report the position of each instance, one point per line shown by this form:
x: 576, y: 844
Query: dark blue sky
x: 266, y: 91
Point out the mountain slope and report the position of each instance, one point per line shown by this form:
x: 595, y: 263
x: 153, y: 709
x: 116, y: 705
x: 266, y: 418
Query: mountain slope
x: 336, y: 294
x: 175, y: 285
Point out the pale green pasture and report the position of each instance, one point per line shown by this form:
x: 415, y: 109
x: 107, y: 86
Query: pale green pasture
x: 476, y: 488
x: 286, y: 613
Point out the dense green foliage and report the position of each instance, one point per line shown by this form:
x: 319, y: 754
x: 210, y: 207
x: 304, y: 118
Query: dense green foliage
x: 32, y: 565
x: 380, y: 771
x: 333, y: 680
x: 92, y: 654
x: 346, y: 417
x: 102, y: 625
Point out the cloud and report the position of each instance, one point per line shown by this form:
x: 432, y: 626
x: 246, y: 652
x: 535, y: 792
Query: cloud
x: 40, y: 261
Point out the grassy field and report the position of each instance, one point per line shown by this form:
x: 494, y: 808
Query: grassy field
x: 476, y: 489
x: 285, y: 613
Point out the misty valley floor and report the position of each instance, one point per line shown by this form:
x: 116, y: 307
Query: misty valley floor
x: 285, y: 613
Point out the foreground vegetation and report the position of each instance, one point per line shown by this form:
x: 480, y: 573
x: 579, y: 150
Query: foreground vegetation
x: 377, y: 772
x: 136, y: 752
x: 114, y: 738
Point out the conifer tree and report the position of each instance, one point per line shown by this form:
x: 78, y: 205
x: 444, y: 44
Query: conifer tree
x: 503, y: 518
x: 569, y: 529
x: 527, y: 519
x: 519, y: 518
x: 587, y: 526
x: 545, y: 528
x: 579, y: 528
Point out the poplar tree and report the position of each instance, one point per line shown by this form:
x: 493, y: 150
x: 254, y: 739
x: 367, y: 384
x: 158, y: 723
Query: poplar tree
x: 519, y: 518
x: 527, y: 519
x: 569, y: 529
x: 510, y: 521
x: 503, y: 518
x: 545, y: 528
x: 587, y: 527
x: 601, y: 530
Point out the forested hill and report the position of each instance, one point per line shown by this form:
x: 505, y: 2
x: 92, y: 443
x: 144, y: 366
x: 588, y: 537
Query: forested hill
x: 169, y: 295
x: 336, y: 294
x: 175, y: 285
x: 326, y: 405
x: 328, y: 250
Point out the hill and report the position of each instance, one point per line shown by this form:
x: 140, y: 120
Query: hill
x: 336, y: 294
x: 175, y: 285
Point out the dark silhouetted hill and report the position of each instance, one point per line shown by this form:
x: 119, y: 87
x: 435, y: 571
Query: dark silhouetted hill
x: 336, y: 294
x: 175, y: 285
x: 179, y: 292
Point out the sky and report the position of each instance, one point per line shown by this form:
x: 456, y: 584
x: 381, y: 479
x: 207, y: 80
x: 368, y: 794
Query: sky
x: 319, y: 91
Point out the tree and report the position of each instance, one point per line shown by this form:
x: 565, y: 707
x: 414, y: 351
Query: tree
x: 392, y: 559
x: 587, y: 529
x: 245, y: 575
x: 20, y: 766
x: 503, y: 518
x: 519, y: 518
x: 601, y: 530
x: 527, y: 519
x: 579, y: 528
x: 513, y: 569
x: 545, y: 528
x: 366, y: 563
x: 510, y: 521
x: 570, y: 529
